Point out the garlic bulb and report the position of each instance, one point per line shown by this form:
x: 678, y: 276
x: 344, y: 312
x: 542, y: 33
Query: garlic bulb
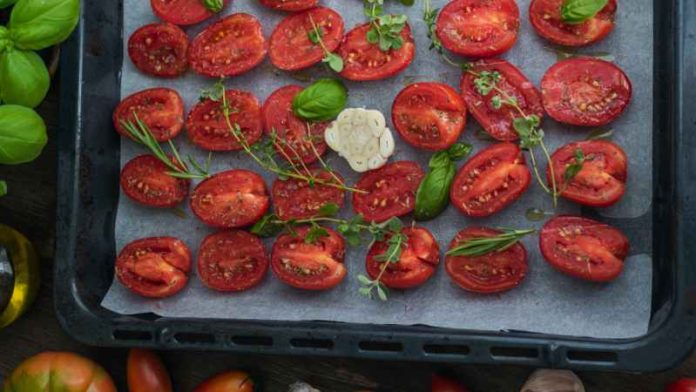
x: 547, y: 380
x: 302, y: 387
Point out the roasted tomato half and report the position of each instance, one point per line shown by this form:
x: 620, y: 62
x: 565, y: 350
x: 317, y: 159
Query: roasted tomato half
x: 545, y: 16
x: 296, y: 199
x: 289, y: 5
x: 182, y: 12
x: 682, y: 385
x: 145, y: 179
x: 232, y: 261
x: 391, y: 191
x: 159, y: 49
x: 160, y: 109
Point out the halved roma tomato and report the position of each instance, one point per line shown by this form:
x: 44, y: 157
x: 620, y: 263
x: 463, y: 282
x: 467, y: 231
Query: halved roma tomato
x: 159, y: 49
x: 364, y: 61
x: 309, y: 266
x: 144, y: 179
x: 296, y: 199
x: 490, y: 181
x: 228, y: 47
x: 495, y: 272
x: 208, y: 129
x: 161, y: 109
x: 231, y: 199
x: 682, y: 385
x: 295, y: 136
x: 442, y: 384
x: 602, y: 180
x: 391, y: 191
x: 479, y: 28
x: 146, y: 372
x: 233, y: 381
x: 498, y: 122
x: 431, y: 116
x: 545, y: 16
x: 289, y: 5
x: 418, y: 262
x: 182, y: 12
x: 584, y: 248
x: 585, y: 91
x: 232, y: 261
x: 290, y: 45
x: 155, y: 267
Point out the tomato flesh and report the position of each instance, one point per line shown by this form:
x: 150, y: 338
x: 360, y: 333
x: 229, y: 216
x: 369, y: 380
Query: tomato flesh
x: 584, y: 248
x: 229, y: 47
x: 391, y: 191
x: 431, y: 116
x: 585, y: 91
x: 182, y: 12
x: 144, y: 179
x: 160, y: 109
x: 208, y: 129
x: 545, y: 16
x: 479, y: 28
x: 296, y: 199
x: 159, y: 49
x: 232, y: 261
x: 154, y: 267
x: 420, y: 256
x: 309, y: 266
x: 289, y: 5
x: 231, y: 199
x: 490, y: 181
x: 494, y: 272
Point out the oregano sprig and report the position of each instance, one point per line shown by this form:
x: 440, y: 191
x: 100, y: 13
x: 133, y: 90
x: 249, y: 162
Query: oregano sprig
x: 316, y: 36
x: 385, y: 30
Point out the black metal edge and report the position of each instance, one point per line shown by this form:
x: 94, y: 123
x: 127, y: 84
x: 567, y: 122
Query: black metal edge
x: 662, y: 348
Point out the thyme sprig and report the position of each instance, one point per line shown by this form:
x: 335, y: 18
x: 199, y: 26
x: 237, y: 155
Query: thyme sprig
x: 396, y: 240
x: 481, y: 246
x: 316, y: 36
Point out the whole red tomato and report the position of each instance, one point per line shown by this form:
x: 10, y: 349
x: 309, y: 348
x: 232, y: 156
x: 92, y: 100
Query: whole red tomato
x: 146, y: 372
x: 442, y: 384
x: 58, y: 372
x: 233, y: 381
x: 682, y: 385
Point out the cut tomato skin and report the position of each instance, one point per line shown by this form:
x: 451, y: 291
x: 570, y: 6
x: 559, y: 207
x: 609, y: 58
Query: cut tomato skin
x: 290, y: 47
x: 159, y: 49
x: 495, y: 272
x: 545, y: 16
x: 418, y: 262
x: 229, y: 47
x: 294, y: 135
x: 155, y: 267
x: 231, y: 199
x: 584, y: 248
x: 296, y: 199
x: 478, y: 28
x: 146, y: 372
x: 430, y: 116
x: 144, y: 179
x: 207, y: 128
x: 391, y: 191
x: 232, y: 381
x: 498, y: 122
x: 182, y: 12
x: 602, y: 180
x: 682, y: 385
x: 585, y: 91
x: 364, y: 61
x: 161, y: 109
x: 490, y: 181
x: 232, y: 261
x: 442, y: 384
x: 309, y: 266
x: 289, y: 5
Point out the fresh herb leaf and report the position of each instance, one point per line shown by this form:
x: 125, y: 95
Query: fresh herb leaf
x: 334, y: 61
x: 214, y: 93
x: 214, y: 6
x: 321, y: 101
x: 267, y: 226
x: 481, y: 246
x: 382, y: 292
x: 573, y: 169
x: 579, y: 11
x: 329, y: 210
x: 600, y: 134
x: 315, y: 233
x: 3, y: 188
x: 385, y: 30
x: 316, y: 35
x: 459, y: 151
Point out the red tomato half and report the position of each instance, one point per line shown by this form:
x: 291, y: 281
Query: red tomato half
x: 545, y: 16
x: 309, y: 266
x: 584, y: 248
x: 498, y: 122
x: 155, y: 267
x: 146, y: 372
x: 585, y: 91
x: 228, y: 47
x: 495, y: 272
x: 490, y: 181
x: 289, y: 5
x: 231, y: 199
x: 296, y: 199
x: 182, y: 12
x: 602, y: 180
x: 232, y: 261
x: 391, y: 191
x: 364, y: 61
x: 144, y: 179
x: 290, y: 46
x: 294, y: 135
x: 161, y: 109
x: 419, y: 259
x: 479, y: 28
x: 442, y: 384
x: 208, y: 129
x: 683, y: 385
x: 159, y: 49
x: 431, y: 116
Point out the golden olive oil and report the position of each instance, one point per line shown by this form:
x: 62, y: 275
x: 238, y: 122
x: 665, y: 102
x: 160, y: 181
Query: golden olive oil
x: 25, y: 271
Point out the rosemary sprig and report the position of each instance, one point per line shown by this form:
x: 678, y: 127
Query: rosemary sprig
x: 481, y: 246
x: 334, y: 61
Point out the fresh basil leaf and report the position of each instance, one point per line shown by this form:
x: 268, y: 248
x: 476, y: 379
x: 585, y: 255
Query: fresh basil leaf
x: 24, y: 78
x: 214, y: 6
x: 578, y: 11
x: 459, y: 151
x: 6, y: 3
x: 439, y: 159
x: 39, y: 24
x: 22, y: 134
x: 321, y: 101
x: 432, y: 195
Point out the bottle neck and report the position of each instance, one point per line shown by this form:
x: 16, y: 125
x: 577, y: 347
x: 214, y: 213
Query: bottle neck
x: 6, y: 278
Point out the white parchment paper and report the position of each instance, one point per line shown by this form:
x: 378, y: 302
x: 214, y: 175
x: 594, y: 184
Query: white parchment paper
x: 547, y: 301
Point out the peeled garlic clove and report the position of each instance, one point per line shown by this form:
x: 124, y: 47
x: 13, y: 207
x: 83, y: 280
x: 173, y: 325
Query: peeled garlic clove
x: 358, y: 164
x: 546, y: 380
x: 376, y: 162
x: 386, y: 144
x: 333, y: 138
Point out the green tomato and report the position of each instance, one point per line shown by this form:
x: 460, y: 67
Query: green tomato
x: 38, y: 24
x: 24, y: 78
x: 22, y: 134
x: 6, y: 3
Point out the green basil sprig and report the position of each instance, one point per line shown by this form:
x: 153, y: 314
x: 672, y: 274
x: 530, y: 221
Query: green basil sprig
x: 321, y: 101
x: 214, y: 6
x: 22, y: 134
x: 24, y: 78
x: 433, y: 193
x: 578, y: 11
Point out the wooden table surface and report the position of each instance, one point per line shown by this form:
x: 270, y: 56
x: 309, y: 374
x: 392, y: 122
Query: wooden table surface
x: 30, y: 208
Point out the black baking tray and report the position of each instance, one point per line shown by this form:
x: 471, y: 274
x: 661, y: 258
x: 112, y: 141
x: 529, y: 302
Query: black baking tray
x: 88, y: 170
